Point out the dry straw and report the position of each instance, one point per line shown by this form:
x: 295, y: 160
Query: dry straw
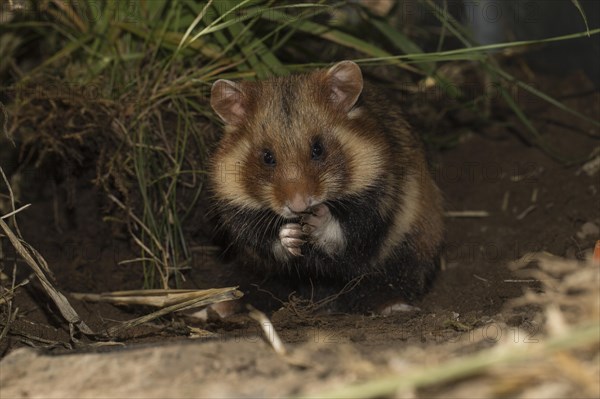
x: 168, y: 300
x: 569, y: 334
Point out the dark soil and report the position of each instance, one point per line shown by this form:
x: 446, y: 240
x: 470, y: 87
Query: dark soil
x: 487, y: 166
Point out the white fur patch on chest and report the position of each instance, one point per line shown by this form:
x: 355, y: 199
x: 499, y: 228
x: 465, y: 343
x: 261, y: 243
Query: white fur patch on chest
x: 330, y: 237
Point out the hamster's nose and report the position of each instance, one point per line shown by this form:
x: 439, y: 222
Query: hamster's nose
x: 299, y: 203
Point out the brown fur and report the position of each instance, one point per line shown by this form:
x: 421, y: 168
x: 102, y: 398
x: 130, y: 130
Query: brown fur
x: 361, y: 157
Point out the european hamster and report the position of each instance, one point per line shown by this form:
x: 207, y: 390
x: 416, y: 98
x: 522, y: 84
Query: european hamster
x: 319, y: 179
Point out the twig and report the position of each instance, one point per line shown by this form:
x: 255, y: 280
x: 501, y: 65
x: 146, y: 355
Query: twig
x: 526, y: 212
x: 534, y: 195
x: 533, y: 173
x: 505, y: 201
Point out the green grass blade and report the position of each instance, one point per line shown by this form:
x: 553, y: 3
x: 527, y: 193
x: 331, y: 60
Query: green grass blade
x: 545, y: 97
x: 195, y: 23
x: 216, y: 25
x: 538, y: 139
x: 582, y: 13
x: 65, y: 52
x: 334, y: 36
x: 259, y: 57
x: 171, y: 40
x: 477, y: 52
x: 403, y: 43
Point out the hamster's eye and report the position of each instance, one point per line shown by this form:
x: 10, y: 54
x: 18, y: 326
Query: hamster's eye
x: 316, y: 151
x: 268, y: 158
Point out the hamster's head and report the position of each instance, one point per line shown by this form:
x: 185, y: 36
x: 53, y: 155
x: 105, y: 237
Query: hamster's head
x: 294, y: 142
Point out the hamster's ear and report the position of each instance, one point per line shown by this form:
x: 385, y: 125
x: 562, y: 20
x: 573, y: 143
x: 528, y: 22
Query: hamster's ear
x: 227, y: 99
x: 346, y: 83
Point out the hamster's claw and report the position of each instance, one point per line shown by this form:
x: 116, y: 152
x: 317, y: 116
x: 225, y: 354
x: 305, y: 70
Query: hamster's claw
x: 291, y: 237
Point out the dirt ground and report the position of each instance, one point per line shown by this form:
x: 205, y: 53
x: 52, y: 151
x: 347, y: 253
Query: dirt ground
x: 533, y: 203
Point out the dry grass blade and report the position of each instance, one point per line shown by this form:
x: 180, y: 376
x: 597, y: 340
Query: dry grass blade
x: 560, y: 279
x: 11, y: 197
x: 4, y: 122
x: 157, y: 298
x: 39, y: 342
x: 139, y: 222
x: 10, y: 318
x: 38, y: 264
x: 567, y: 331
x: 6, y: 297
x: 216, y: 295
x: 468, y: 366
x: 40, y: 267
x: 8, y: 294
x: 15, y: 211
x: 269, y: 330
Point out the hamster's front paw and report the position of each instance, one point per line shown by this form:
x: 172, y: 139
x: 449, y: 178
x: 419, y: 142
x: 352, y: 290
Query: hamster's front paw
x: 291, y: 237
x: 316, y: 221
x: 324, y: 231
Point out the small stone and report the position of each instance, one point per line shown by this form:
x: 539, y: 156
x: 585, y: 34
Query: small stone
x: 588, y: 229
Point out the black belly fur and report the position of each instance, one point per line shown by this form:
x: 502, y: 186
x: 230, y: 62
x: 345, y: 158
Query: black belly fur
x: 401, y: 275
